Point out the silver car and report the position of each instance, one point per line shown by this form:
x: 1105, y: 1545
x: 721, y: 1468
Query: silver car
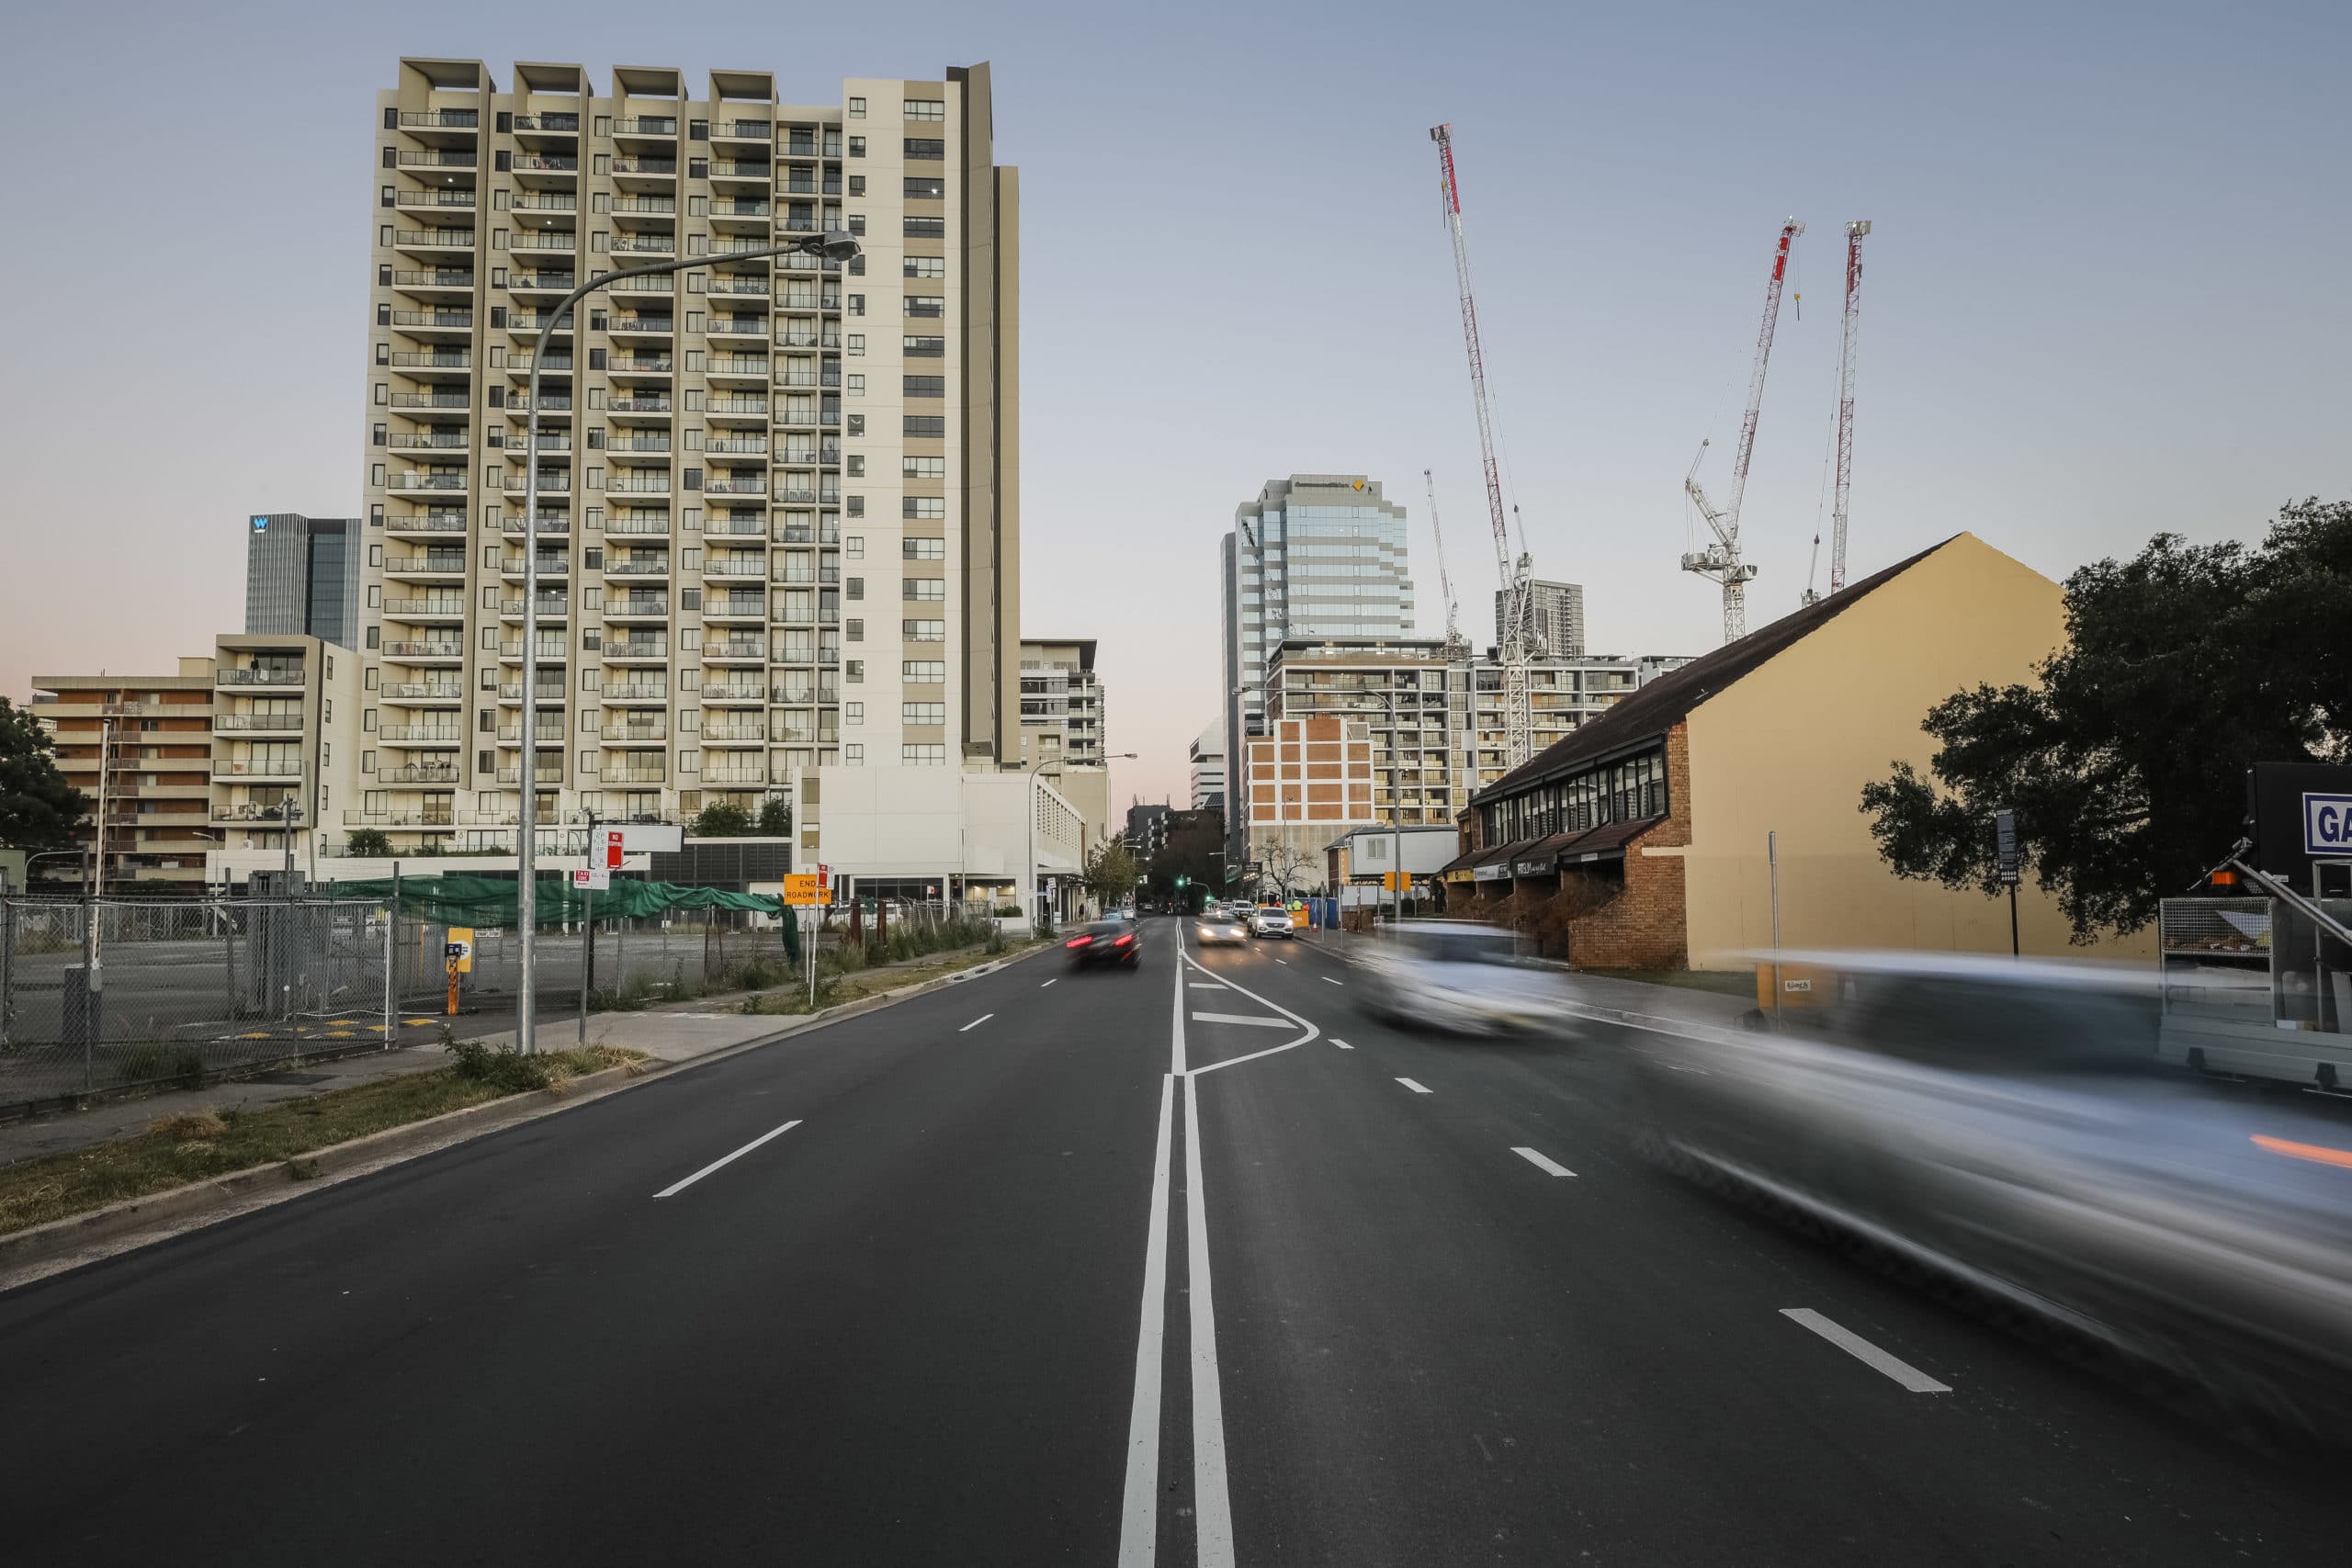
x: 1270, y: 921
x: 1220, y: 925
x: 2007, y: 1125
x: 1459, y: 978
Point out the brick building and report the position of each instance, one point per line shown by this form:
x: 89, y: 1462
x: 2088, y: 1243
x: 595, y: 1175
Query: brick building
x: 1640, y: 840
x: 1309, y: 781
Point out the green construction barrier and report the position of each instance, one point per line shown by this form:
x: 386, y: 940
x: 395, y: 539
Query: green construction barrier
x: 458, y: 901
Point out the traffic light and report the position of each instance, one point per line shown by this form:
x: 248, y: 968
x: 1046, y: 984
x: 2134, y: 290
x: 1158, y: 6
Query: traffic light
x: 1181, y: 880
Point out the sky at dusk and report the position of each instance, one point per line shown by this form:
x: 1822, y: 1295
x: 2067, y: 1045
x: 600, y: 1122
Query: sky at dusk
x: 2104, y: 290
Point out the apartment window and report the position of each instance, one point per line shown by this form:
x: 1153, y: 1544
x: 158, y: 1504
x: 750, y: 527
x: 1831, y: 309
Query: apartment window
x: 926, y: 108
x: 923, y: 756
x: 926, y: 305
x: 384, y: 236
x: 853, y: 630
x: 857, y: 146
x: 923, y: 347
x: 924, y: 386
x: 697, y: 131
x: 853, y: 713
x: 925, y: 631
x: 855, y: 587
x: 924, y: 267
x: 923, y: 713
x: 853, y: 546
x: 382, y: 434
x: 924, y: 549
x: 383, y: 393
x: 391, y: 120
x: 376, y: 475
x: 853, y: 755
x: 387, y: 199
x: 932, y: 588
x: 371, y: 637
x: 383, y: 353
x: 924, y: 508
x: 857, y: 223
x: 854, y: 344
x: 923, y: 469
x: 923, y: 671
x: 921, y: 229
x: 856, y: 388
x: 925, y: 426
x: 858, y: 304
x: 854, y: 465
x: 367, y: 765
x: 858, y: 184
x: 854, y: 670
x: 857, y: 108
x: 929, y: 148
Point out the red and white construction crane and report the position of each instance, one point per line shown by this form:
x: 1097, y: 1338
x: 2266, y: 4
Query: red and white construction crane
x: 1721, y: 562
x: 1518, y: 576
x: 1847, y: 347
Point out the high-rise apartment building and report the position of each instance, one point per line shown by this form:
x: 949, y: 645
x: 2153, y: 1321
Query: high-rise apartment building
x: 1061, y: 724
x: 1208, y: 768
x: 1557, y: 617
x: 302, y: 577
x: 777, y: 519
x: 1315, y: 555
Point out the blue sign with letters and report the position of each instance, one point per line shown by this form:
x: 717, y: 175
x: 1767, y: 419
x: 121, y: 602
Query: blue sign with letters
x: 261, y: 525
x: 2327, y: 825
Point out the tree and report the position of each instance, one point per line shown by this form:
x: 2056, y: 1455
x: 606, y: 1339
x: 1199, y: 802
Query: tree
x: 2125, y: 765
x: 1111, y: 874
x: 1287, y: 868
x: 368, y: 841
x: 722, y: 819
x: 775, y: 817
x: 1194, y: 850
x: 37, y: 807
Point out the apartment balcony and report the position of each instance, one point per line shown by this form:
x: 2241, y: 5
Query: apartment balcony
x: 442, y: 439
x: 735, y: 735
x: 258, y: 676
x: 431, y: 564
x: 638, y: 650
x: 258, y: 769
x: 739, y: 284
x: 563, y: 123
x: 432, y: 402
x: 638, y: 567
x: 423, y: 691
x: 638, y: 607
x: 639, y: 403
x: 551, y: 651
x: 756, y: 171
x: 450, y: 284
x: 555, y: 606
x: 751, y: 565
x: 626, y: 693
x: 544, y: 201
x: 550, y: 566
x: 736, y: 693
x: 441, y: 119
x: 426, y: 244
x: 749, y: 484
x: 661, y: 364
x: 753, y: 526
x: 421, y: 734
x: 529, y: 324
x: 545, y: 239
x: 635, y: 775
x: 638, y: 482
x: 511, y: 691
x: 431, y: 359
x: 740, y: 245
x: 633, y: 127
x: 437, y: 160
x: 737, y: 406
x: 737, y: 650
x: 795, y: 495
x: 557, y: 441
x: 636, y: 734
x: 642, y: 443
x: 657, y: 283
x: 641, y: 326
x: 542, y: 282
x: 738, y: 366
x: 736, y: 446
x: 551, y: 481
x: 647, y: 244
x: 257, y: 723
x: 548, y: 735
x: 428, y: 650
x: 549, y: 522
x: 547, y: 170
x: 441, y: 820
x: 414, y: 200
x: 642, y: 173
x: 743, y: 208
x: 416, y: 774
x: 641, y: 528
x: 734, y: 609
x: 732, y: 776
x: 543, y: 776
x: 424, y: 524
x: 448, y: 608
x: 737, y: 326
x: 743, y: 130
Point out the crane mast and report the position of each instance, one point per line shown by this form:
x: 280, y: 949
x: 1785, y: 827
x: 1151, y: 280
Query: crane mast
x: 1847, y: 345
x: 1517, y: 576
x: 1456, y: 646
x: 1721, y: 562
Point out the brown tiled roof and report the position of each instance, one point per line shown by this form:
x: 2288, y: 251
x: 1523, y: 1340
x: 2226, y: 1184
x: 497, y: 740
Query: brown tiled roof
x: 1665, y: 701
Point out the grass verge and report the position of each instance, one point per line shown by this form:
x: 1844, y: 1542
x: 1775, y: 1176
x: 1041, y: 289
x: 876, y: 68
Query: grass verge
x: 196, y: 1146
x: 833, y: 988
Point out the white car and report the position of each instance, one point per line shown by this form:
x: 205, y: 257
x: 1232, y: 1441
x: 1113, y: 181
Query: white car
x: 1220, y: 925
x: 1270, y: 922
x: 1463, y: 979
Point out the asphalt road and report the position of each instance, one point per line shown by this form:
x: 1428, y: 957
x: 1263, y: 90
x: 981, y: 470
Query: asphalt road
x: 1188, y: 1265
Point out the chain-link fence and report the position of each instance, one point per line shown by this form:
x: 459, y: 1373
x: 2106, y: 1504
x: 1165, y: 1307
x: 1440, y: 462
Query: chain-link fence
x: 191, y: 987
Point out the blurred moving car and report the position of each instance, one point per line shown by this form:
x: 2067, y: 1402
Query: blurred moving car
x: 1105, y: 941
x: 1270, y: 921
x: 2006, y: 1126
x: 1460, y: 978
x: 1221, y: 924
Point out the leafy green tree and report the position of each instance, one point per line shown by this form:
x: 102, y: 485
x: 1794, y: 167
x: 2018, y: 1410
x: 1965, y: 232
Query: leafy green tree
x: 722, y: 819
x: 775, y: 817
x: 368, y: 841
x: 37, y: 807
x: 2126, y: 762
x: 1193, y: 850
x: 1111, y: 874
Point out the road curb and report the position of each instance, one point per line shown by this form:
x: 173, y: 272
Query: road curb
x: 168, y: 1213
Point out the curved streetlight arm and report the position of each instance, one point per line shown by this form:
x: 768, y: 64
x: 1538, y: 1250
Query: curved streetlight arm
x: 833, y: 247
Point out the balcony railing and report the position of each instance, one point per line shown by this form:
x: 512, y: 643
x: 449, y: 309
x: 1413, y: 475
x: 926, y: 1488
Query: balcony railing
x: 640, y: 403
x: 639, y: 566
x: 426, y: 523
x: 513, y: 692
x: 741, y: 207
x: 734, y: 775
x: 440, y: 239
x: 551, y: 481
x: 634, y: 775
x: 423, y: 691
x: 753, y: 485
x: 546, y: 164
x: 640, y: 527
x: 659, y: 283
x: 433, y: 277
x: 550, y: 566
x: 449, y: 561
x: 638, y: 605
x: 736, y: 405
x: 445, y: 605
x: 742, y: 566
x: 641, y: 323
x: 644, y: 443
x: 645, y: 165
x: 436, y: 160
x: 733, y: 734
x: 737, y: 647
x: 743, y: 130
x: 426, y: 481
x: 552, y: 362
x: 442, y: 818
x: 421, y: 734
x: 542, y: 775
x: 257, y: 676
x: 750, y: 445
x: 732, y: 283
x: 418, y: 772
x: 637, y: 692
x: 252, y: 768
x: 454, y: 119
x: 638, y: 484
x: 545, y: 201
x: 430, y: 648
x: 742, y: 168
x: 645, y: 363
x: 657, y: 647
x: 738, y: 364
x: 547, y: 122
x: 556, y: 523
x: 234, y: 723
x: 428, y: 440
x: 645, y: 244
x: 554, y: 282
x: 444, y: 360
x: 547, y: 239
x: 719, y: 247
x: 635, y: 732
x: 408, y: 199
x: 549, y: 604
x: 663, y: 205
x: 646, y: 125
x: 510, y: 734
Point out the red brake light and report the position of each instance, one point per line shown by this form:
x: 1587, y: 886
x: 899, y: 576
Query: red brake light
x: 1078, y: 941
x: 1123, y: 942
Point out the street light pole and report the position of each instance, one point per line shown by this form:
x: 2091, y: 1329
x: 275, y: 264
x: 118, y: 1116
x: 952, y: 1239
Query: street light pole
x: 831, y: 246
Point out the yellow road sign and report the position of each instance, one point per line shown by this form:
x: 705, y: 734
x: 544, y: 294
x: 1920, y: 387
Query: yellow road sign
x: 807, y: 888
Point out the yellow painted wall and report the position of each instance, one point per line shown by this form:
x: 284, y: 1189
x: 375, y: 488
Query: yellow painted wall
x: 1788, y: 748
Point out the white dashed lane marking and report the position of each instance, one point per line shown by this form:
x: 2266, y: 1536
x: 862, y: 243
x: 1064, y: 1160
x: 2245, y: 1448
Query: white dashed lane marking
x: 1548, y: 1166
x: 1417, y: 1088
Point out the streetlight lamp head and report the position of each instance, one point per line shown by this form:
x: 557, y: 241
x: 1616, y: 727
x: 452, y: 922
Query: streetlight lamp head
x: 834, y: 246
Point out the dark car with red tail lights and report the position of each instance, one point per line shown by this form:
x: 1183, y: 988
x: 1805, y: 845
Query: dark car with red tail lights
x: 1105, y: 942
